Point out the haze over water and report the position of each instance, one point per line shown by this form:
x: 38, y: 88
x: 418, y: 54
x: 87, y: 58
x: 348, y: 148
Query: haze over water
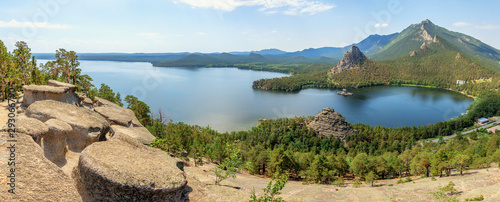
x: 224, y: 99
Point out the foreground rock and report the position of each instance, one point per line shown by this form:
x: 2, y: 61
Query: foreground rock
x: 36, y: 178
x: 141, y: 134
x: 54, y: 142
x: 353, y: 58
x: 55, y: 83
x: 119, y: 115
x: 87, y: 126
x: 99, y: 102
x: 123, y: 169
x: 328, y: 122
x: 60, y: 92
x: 32, y: 127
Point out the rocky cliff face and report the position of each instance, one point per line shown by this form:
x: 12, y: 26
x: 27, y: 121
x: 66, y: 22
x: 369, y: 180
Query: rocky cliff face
x: 353, y: 58
x: 328, y: 122
x: 72, y: 152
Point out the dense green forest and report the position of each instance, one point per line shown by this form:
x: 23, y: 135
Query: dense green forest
x: 310, y: 76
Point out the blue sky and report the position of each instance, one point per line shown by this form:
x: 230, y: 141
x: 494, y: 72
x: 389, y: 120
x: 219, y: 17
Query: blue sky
x: 229, y: 25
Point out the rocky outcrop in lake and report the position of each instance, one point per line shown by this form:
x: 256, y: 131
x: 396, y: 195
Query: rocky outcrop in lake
x: 328, y: 123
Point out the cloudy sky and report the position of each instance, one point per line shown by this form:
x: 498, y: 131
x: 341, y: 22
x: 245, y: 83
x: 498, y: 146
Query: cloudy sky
x: 229, y: 25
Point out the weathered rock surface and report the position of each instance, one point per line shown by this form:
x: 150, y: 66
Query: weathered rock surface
x: 88, y: 126
x: 119, y: 116
x: 353, y: 58
x: 32, y: 127
x: 87, y: 102
x: 33, y: 93
x: 54, y: 142
x: 55, y: 83
x: 99, y: 102
x: 122, y: 169
x: 36, y: 178
x: 328, y: 122
x: 116, y: 115
x: 141, y: 134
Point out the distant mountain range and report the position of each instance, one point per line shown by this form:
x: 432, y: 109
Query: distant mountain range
x: 376, y: 47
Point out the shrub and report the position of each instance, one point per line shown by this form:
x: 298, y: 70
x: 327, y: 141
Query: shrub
x: 408, y: 179
x: 356, y: 184
x: 441, y: 193
x: 339, y: 182
x: 400, y: 181
x: 479, y: 198
x: 433, y: 178
x: 390, y: 185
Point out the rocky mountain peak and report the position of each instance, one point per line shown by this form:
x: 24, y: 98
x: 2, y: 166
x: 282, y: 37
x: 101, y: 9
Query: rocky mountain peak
x: 426, y: 21
x: 353, y: 58
x: 328, y: 122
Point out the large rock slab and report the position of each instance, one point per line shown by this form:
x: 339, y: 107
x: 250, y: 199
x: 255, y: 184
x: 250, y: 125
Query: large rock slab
x: 328, y: 122
x: 113, y: 112
x: 88, y: 126
x: 116, y: 115
x: 55, y: 83
x: 33, y: 93
x: 99, y: 102
x: 141, y: 134
x: 54, y: 142
x: 123, y: 169
x: 36, y: 178
x: 30, y: 126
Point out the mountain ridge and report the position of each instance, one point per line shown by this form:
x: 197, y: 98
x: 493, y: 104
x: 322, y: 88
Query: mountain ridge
x: 415, y: 35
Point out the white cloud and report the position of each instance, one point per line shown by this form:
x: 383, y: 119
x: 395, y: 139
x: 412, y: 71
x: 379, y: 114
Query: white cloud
x: 18, y: 24
x: 487, y: 27
x: 201, y: 33
x: 226, y: 5
x: 461, y: 24
x: 381, y: 25
x: 153, y: 35
x: 271, y: 32
x: 287, y: 7
x: 484, y: 26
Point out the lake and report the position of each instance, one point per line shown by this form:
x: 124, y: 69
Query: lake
x: 224, y: 99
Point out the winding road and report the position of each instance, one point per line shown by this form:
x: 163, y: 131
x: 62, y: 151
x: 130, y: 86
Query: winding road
x: 469, y: 131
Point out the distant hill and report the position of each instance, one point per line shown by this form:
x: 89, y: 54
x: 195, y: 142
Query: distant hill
x: 226, y: 59
x: 369, y: 45
x: 434, y: 63
x: 416, y: 34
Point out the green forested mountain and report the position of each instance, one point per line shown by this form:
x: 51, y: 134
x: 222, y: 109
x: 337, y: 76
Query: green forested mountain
x: 437, y: 63
x: 416, y: 34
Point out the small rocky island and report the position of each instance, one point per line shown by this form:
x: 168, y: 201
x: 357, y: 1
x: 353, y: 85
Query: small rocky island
x: 329, y: 122
x: 344, y: 92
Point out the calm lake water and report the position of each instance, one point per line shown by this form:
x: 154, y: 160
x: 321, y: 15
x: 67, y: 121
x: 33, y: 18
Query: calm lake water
x: 224, y: 99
